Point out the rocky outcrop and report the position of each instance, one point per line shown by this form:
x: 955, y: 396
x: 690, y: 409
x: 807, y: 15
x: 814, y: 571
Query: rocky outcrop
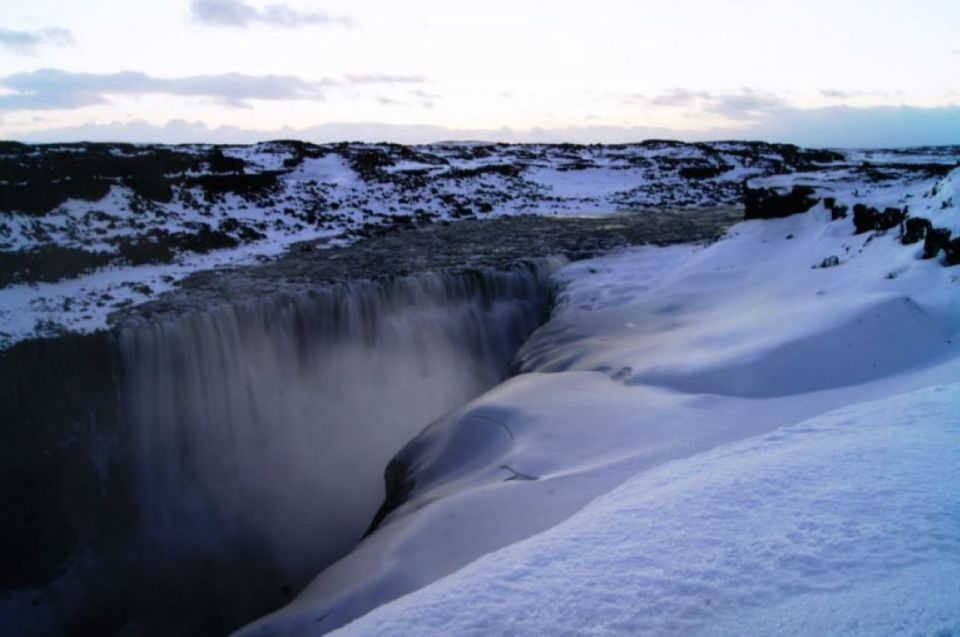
x: 771, y: 203
x: 952, y: 252
x: 703, y: 172
x: 35, y: 180
x: 868, y: 219
x: 837, y: 211
x: 937, y: 239
x: 398, y: 483
x: 915, y: 230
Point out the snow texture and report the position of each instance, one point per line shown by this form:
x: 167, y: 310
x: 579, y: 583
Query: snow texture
x: 282, y: 193
x: 660, y: 355
x: 846, y: 524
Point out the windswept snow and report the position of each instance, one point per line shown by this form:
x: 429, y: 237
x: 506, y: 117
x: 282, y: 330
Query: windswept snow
x: 660, y: 355
x: 845, y: 524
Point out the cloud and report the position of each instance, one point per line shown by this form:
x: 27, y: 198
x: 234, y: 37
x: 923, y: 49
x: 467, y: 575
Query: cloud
x: 679, y: 97
x: 836, y: 127
x: 747, y: 104
x: 744, y: 104
x: 833, y: 93
x: 27, y: 42
x: 239, y: 14
x: 837, y: 94
x: 49, y: 89
x: 384, y: 78
x: 55, y: 89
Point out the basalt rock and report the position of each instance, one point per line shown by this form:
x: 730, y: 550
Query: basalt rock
x: 867, y: 218
x: 916, y: 230
x: 398, y: 484
x: 952, y: 252
x: 891, y: 218
x: 703, y: 172
x: 937, y: 239
x: 864, y: 218
x: 769, y: 203
x: 837, y: 211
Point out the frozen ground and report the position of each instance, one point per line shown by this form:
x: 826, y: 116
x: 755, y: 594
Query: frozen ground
x: 845, y: 524
x: 719, y: 365
x: 87, y: 230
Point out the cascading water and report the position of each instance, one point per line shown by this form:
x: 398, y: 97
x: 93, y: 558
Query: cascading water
x: 188, y: 470
x: 262, y: 428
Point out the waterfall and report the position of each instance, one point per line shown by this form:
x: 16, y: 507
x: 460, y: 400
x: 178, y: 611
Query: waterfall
x: 264, y: 426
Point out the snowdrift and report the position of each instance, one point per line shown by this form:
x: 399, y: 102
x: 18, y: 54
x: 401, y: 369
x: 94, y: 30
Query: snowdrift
x: 654, y: 357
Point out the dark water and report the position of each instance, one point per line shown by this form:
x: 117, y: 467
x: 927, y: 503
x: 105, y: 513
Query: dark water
x: 218, y: 459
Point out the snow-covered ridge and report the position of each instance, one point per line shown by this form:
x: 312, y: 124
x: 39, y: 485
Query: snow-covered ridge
x: 790, y: 533
x: 87, y: 229
x: 655, y: 355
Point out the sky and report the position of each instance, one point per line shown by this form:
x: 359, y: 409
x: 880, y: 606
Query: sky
x: 842, y: 73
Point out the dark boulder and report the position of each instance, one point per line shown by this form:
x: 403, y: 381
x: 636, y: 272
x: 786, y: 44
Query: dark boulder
x: 220, y: 163
x: 399, y: 482
x: 247, y: 185
x: 891, y: 218
x: 504, y: 170
x: 150, y: 186
x: 768, y: 203
x: 952, y: 252
x: 830, y: 262
x: 865, y: 218
x: 937, y: 239
x: 837, y: 211
x: 703, y: 172
x: 916, y: 229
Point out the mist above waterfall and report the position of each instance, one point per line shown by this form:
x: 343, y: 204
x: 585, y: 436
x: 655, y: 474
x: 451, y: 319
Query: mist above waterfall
x: 263, y: 427
x: 226, y: 441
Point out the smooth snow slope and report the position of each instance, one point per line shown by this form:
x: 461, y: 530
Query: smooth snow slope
x: 655, y: 355
x: 846, y: 524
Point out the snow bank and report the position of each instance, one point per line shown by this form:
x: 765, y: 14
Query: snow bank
x: 655, y: 355
x: 844, y: 524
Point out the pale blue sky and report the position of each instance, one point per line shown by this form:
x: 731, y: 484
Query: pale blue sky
x: 843, y: 73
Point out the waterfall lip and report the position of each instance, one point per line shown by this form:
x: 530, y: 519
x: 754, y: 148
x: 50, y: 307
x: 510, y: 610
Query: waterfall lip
x: 245, y: 441
x: 502, y: 244
x: 480, y: 257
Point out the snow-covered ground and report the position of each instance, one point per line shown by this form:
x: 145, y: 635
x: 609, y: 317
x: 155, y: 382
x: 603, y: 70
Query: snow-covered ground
x: 730, y: 390
x: 845, y: 524
x: 753, y: 436
x: 188, y: 208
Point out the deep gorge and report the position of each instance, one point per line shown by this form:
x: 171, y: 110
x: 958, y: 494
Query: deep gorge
x: 213, y: 462
x: 193, y: 467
